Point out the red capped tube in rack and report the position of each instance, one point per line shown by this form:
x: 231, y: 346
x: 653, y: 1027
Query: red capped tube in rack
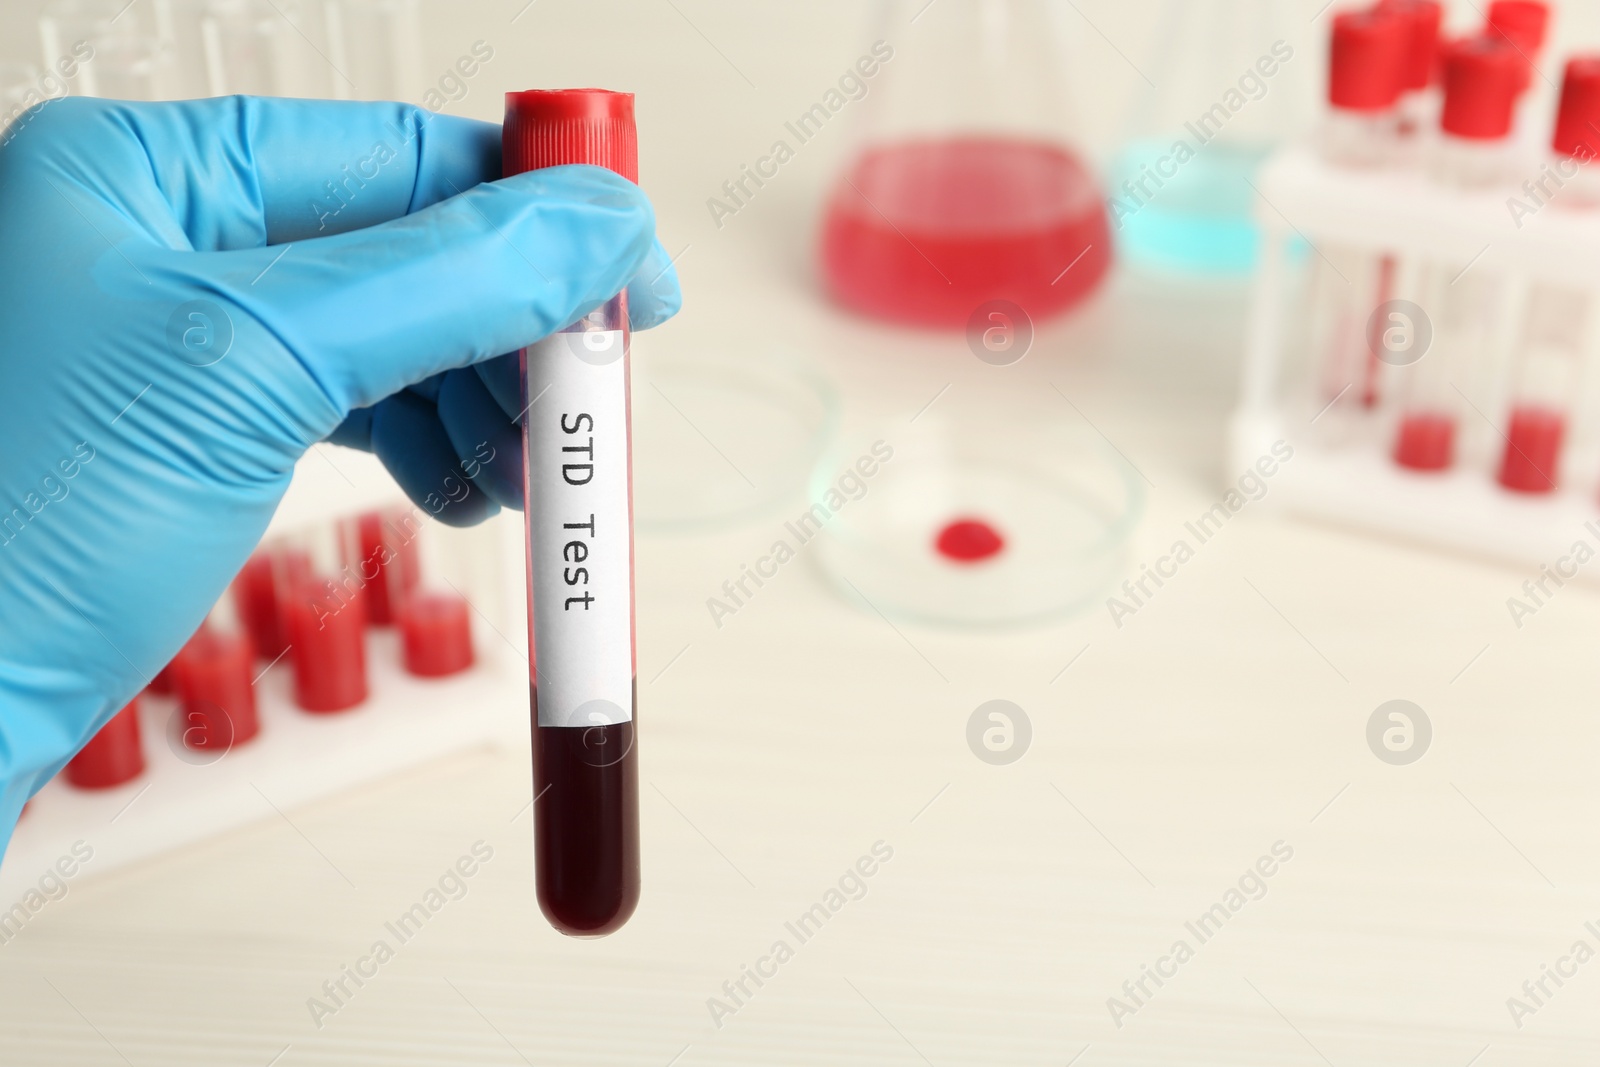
x: 1480, y: 89
x: 576, y: 445
x: 1368, y: 60
x: 1548, y: 367
x: 113, y: 756
x: 1577, y: 133
x: 1525, y: 24
x: 321, y: 599
x: 435, y: 633
x: 216, y: 687
x: 1568, y: 180
x: 1423, y: 19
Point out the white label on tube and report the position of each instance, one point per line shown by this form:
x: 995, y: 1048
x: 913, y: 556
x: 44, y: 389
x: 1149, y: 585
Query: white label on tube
x: 580, y: 550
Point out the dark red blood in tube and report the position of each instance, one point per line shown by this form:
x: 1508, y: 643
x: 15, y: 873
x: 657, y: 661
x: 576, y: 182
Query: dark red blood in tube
x: 586, y: 825
x: 585, y: 778
x: 214, y: 682
x: 435, y: 634
x: 112, y: 756
x: 327, y: 643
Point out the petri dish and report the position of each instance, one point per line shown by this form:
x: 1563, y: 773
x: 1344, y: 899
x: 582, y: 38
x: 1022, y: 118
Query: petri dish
x: 983, y: 522
x: 718, y: 440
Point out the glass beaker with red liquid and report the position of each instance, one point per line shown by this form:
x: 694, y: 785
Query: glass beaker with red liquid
x: 969, y: 186
x: 1549, y: 360
x: 321, y: 601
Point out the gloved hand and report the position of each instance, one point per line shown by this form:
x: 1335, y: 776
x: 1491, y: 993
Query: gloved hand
x: 353, y: 281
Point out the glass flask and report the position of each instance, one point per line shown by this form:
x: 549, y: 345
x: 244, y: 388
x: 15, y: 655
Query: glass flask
x: 1224, y: 85
x: 968, y: 185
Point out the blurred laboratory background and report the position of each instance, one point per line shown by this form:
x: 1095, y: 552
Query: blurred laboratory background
x: 1114, y: 534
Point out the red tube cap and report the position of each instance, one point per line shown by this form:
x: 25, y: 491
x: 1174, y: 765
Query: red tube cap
x: 436, y: 634
x: 1525, y: 23
x: 112, y: 756
x: 1367, y: 60
x: 552, y: 127
x: 1578, y: 120
x: 1482, y: 80
x: 1423, y: 18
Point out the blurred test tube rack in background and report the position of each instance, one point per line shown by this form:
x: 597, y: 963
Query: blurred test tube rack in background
x: 1345, y: 466
x: 443, y: 672
x: 1455, y: 401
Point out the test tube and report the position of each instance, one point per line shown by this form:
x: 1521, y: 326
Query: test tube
x: 255, y: 597
x: 1419, y: 105
x: 1368, y: 59
x: 320, y: 597
x: 390, y: 563
x: 1480, y: 97
x: 431, y: 612
x: 1463, y: 306
x: 214, y: 677
x: 1549, y: 359
x: 1366, y: 68
x: 1524, y: 24
x: 1569, y: 178
x: 113, y: 755
x: 576, y: 445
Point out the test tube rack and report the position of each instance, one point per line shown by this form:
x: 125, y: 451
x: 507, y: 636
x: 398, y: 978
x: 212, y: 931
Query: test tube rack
x: 185, y: 795
x: 1308, y: 207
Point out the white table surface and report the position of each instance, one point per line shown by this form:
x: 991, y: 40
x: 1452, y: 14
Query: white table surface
x: 778, y: 749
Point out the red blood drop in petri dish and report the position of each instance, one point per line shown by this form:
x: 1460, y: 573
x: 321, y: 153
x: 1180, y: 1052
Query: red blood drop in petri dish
x: 112, y: 756
x: 435, y: 634
x: 1426, y: 442
x: 1533, y: 449
x: 215, y: 687
x: 926, y: 231
x: 327, y: 640
x: 969, y: 541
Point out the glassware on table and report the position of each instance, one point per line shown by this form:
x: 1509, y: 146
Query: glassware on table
x: 969, y: 185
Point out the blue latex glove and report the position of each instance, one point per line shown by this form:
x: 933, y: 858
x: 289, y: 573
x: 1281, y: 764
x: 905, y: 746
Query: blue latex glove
x: 143, y: 450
